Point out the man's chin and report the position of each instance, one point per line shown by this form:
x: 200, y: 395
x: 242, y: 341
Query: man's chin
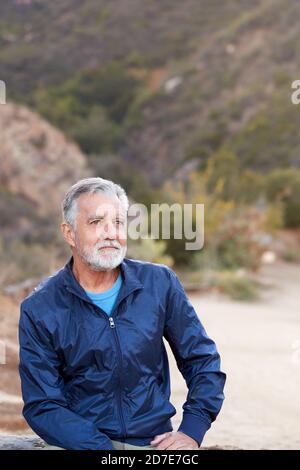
x: 103, y: 266
x: 107, y: 262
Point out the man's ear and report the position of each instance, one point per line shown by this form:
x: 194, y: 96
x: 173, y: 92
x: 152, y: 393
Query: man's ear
x: 68, y: 234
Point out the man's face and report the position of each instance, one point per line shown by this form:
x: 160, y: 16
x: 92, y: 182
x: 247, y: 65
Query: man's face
x: 100, y: 232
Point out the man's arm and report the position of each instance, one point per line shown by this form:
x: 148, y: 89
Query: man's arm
x: 198, y: 361
x: 46, y: 409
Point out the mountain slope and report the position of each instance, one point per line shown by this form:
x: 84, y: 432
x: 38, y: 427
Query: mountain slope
x: 212, y: 74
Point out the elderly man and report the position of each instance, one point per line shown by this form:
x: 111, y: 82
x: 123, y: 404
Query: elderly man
x: 93, y: 365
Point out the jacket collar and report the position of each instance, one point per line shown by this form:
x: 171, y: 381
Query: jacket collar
x: 130, y: 280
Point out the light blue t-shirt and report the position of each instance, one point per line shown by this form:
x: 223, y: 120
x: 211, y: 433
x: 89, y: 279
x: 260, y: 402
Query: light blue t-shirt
x: 106, y: 300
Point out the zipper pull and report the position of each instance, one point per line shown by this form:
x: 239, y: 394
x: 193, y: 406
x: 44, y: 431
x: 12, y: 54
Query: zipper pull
x: 111, y: 322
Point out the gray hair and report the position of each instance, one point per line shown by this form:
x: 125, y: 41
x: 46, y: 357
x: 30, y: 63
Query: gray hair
x: 90, y: 186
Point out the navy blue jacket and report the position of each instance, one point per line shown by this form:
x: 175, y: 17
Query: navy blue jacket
x: 88, y: 378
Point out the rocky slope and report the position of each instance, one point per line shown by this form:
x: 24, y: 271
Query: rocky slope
x: 36, y: 161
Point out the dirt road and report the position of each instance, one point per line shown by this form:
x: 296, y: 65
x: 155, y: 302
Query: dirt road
x: 260, y: 348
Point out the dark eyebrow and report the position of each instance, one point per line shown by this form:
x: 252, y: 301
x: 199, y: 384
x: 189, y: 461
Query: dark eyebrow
x: 100, y: 217
x: 95, y: 217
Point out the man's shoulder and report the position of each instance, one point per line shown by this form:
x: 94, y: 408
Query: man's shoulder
x: 44, y: 292
x: 144, y: 269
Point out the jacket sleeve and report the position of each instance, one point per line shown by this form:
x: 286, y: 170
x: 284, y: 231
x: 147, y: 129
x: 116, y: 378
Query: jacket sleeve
x: 197, y: 359
x: 45, y: 406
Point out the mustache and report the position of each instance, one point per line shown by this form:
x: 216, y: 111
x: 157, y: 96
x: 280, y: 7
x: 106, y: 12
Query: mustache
x: 114, y: 244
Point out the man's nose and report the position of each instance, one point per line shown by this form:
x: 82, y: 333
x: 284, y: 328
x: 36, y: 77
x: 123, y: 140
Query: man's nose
x: 110, y: 230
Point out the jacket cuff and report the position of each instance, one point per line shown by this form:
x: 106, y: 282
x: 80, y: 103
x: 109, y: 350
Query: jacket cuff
x: 194, y: 427
x: 107, y: 446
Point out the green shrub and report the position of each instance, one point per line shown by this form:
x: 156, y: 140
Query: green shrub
x: 90, y: 107
x: 149, y: 250
x: 291, y: 255
x: 111, y: 86
x: 237, y: 241
x: 236, y: 286
x: 283, y: 185
x: 96, y: 133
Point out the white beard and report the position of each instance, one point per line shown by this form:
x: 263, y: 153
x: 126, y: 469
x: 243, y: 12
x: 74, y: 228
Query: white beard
x: 104, y: 260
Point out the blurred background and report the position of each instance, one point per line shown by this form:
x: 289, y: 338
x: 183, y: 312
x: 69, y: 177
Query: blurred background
x: 178, y: 102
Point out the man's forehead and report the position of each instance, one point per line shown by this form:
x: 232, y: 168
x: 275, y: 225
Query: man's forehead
x: 99, y: 204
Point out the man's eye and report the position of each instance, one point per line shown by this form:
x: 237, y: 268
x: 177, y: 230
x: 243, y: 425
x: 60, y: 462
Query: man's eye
x: 117, y: 222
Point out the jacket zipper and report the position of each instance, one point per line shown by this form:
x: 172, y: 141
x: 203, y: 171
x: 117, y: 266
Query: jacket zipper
x: 113, y: 327
x: 119, y: 353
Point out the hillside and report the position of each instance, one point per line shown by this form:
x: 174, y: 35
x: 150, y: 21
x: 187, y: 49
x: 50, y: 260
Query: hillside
x: 37, y: 162
x: 208, y: 74
x: 37, y: 165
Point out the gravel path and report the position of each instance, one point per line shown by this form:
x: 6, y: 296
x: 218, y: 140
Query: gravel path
x: 259, y: 344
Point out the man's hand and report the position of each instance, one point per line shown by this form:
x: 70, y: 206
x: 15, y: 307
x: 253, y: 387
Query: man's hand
x: 174, y: 441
